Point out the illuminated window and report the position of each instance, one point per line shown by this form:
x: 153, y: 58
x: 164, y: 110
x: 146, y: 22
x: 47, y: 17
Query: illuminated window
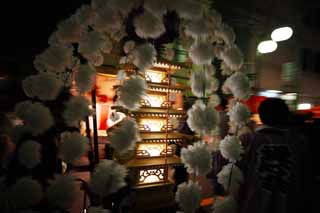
x: 155, y: 76
x: 153, y: 150
x: 154, y: 100
x: 152, y: 125
x: 151, y: 176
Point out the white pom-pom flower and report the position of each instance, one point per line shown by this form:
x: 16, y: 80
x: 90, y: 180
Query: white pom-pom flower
x: 197, y: 158
x: 29, y: 154
x: 201, y: 53
x: 25, y: 193
x: 226, y: 71
x: 214, y: 100
x: 238, y: 84
x: 239, y: 114
x: 226, y: 205
x: 131, y: 92
x: 36, y: 117
x: 148, y: 26
x: 45, y: 86
x: 232, y: 57
x: 93, y: 42
x: 202, y: 119
x: 73, y: 146
x: 226, y: 33
x: 55, y: 59
x: 231, y: 148
x: 188, y: 196
x: 76, y: 109
x: 62, y: 191
x: 143, y: 56
x: 108, y: 177
x: 198, y: 28
x: 125, y: 137
x: 155, y: 7
x: 230, y: 177
x: 85, y: 77
x: 187, y: 9
x: 123, y: 6
x: 121, y: 75
x: 202, y: 83
x: 128, y: 46
x: 69, y: 31
x: 96, y: 59
x: 98, y: 209
x: 105, y: 19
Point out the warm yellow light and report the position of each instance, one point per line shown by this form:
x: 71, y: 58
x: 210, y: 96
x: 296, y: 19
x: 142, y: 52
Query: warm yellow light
x: 155, y: 76
x: 304, y: 106
x: 155, y: 100
x: 153, y: 125
x: 166, y: 66
x: 151, y: 176
x: 153, y: 150
x: 267, y: 46
x: 282, y: 34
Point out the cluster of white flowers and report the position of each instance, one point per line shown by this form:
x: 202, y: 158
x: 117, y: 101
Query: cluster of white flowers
x: 202, y: 119
x: 214, y: 100
x: 201, y: 52
x: 125, y: 137
x: 198, y: 28
x: 85, y: 77
x: 203, y: 83
x: 226, y: 34
x: 76, y: 109
x: 62, y: 191
x: 226, y: 205
x: 143, y: 56
x: 45, y: 86
x: 131, y: 92
x: 25, y: 193
x: 36, y: 117
x: 148, y: 26
x: 232, y: 57
x: 29, y: 154
x: 239, y: 114
x: 197, y: 158
x: 231, y: 148
x: 238, y: 84
x: 73, y: 146
x: 188, y: 196
x: 129, y: 46
x: 230, y: 177
x: 187, y: 9
x: 108, y: 177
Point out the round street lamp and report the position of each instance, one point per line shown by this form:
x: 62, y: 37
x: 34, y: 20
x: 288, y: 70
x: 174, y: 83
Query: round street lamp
x: 281, y: 34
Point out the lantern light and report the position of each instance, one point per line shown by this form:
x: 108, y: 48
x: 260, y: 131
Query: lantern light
x: 281, y: 34
x: 304, y: 106
x: 267, y: 46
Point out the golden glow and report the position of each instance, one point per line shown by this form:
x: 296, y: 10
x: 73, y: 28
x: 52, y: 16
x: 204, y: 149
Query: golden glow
x: 151, y: 176
x: 153, y: 150
x: 166, y: 66
x: 155, y: 76
x: 153, y: 125
x: 256, y: 118
x: 155, y: 100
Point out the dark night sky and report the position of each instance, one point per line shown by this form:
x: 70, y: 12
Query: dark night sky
x: 26, y: 25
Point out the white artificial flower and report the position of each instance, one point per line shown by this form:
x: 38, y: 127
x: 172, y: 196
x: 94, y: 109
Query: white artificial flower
x: 230, y: 177
x: 226, y: 71
x: 96, y: 59
x: 108, y: 177
x: 239, y: 114
x: 218, y: 49
x: 156, y: 7
x: 98, y: 209
x: 76, y: 109
x: 62, y: 191
x: 131, y: 92
x: 105, y: 19
x: 148, y: 26
x: 45, y: 86
x: 201, y: 53
x: 36, y: 117
x: 226, y: 205
x: 84, y: 14
x: 231, y: 148
x: 197, y: 158
x: 85, y: 77
x: 56, y: 58
x: 143, y: 56
x: 73, y: 146
x: 124, y: 138
x: 198, y: 28
x: 238, y: 84
x: 232, y: 57
x: 214, y: 100
x: 68, y: 31
x: 187, y: 9
x: 202, y: 119
x: 226, y: 33
x: 25, y: 193
x: 188, y: 196
x: 121, y: 75
x: 214, y: 17
x: 123, y: 6
x: 29, y: 154
x: 128, y: 46
x: 202, y: 83
x: 93, y: 42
